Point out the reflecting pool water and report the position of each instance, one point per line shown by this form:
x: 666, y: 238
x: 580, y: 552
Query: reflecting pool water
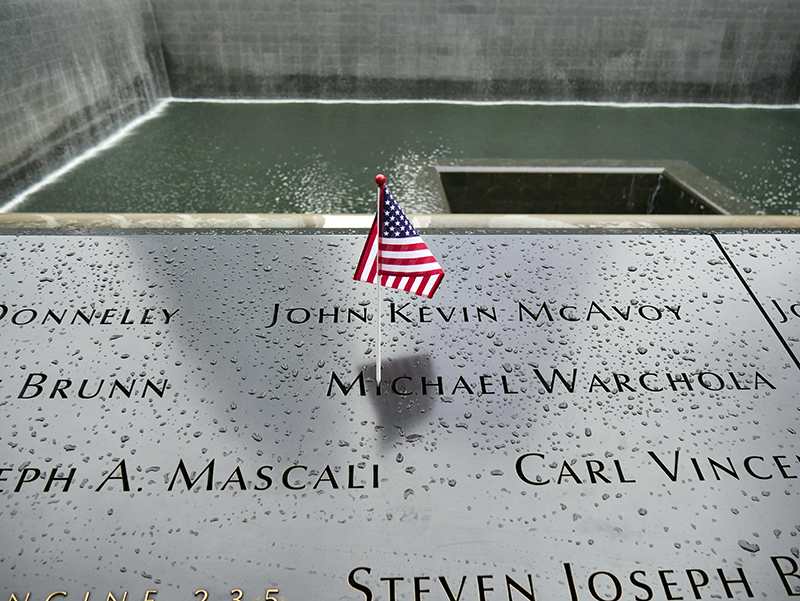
x: 320, y: 157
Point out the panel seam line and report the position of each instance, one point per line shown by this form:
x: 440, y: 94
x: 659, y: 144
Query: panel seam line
x: 756, y: 301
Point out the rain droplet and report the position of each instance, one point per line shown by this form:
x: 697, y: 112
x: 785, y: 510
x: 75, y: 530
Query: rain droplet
x: 749, y: 547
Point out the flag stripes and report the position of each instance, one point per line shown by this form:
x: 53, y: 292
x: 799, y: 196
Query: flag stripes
x: 399, y: 254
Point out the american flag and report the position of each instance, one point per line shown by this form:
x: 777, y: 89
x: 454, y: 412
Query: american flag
x: 399, y: 255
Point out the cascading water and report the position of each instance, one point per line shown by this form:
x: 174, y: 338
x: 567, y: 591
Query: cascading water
x: 83, y: 69
x: 651, y: 201
x: 76, y: 71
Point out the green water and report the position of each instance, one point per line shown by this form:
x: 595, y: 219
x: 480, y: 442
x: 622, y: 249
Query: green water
x: 314, y: 158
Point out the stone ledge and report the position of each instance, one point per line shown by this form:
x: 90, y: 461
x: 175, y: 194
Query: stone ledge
x: 363, y: 221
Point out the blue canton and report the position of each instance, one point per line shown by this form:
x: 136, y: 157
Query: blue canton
x: 395, y: 223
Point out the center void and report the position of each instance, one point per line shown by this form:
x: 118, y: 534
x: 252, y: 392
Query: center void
x: 597, y: 187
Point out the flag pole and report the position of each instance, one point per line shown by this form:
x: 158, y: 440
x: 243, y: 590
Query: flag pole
x: 381, y: 181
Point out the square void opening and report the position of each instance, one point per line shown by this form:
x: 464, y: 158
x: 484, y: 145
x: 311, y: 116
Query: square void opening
x: 498, y: 189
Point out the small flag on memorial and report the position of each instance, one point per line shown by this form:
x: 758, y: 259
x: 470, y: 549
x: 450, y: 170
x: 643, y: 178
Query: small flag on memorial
x: 396, y: 257
x: 394, y: 254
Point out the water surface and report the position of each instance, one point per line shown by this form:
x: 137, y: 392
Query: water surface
x: 317, y: 157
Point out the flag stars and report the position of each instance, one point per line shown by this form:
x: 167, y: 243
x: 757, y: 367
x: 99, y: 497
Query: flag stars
x: 395, y: 223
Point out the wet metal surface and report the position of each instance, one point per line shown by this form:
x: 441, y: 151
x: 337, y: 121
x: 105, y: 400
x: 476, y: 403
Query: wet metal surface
x: 572, y: 416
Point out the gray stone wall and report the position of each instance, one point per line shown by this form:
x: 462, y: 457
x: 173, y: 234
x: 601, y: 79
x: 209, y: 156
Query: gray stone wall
x: 73, y: 71
x: 617, y: 50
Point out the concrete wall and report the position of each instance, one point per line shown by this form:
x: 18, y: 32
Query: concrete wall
x: 73, y: 71
x: 620, y: 50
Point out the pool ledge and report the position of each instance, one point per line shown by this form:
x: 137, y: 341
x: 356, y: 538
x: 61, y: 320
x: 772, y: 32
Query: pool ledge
x: 421, y: 221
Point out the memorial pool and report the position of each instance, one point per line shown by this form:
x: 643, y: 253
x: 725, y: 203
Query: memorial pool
x: 320, y: 157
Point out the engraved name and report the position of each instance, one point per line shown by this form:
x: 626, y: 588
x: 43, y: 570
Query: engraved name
x: 522, y: 312
x: 602, y: 584
x: 293, y: 477
x: 64, y: 388
x: 86, y: 316
x: 537, y: 469
x: 553, y: 381
x: 265, y: 477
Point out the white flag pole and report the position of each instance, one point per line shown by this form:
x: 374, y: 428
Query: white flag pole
x: 381, y: 181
